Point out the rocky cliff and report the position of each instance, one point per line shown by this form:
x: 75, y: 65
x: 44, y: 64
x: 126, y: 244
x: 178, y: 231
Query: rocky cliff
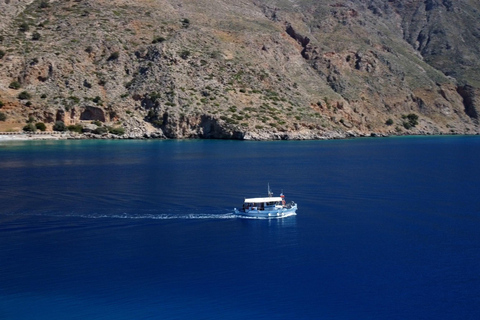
x: 250, y: 69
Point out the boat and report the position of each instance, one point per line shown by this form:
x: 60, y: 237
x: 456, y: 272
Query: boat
x: 267, y: 207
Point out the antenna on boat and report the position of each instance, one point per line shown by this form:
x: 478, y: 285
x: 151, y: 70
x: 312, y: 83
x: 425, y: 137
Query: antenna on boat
x: 270, y: 193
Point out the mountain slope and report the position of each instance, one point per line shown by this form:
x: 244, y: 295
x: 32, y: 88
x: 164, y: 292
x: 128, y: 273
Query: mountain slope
x: 243, y: 69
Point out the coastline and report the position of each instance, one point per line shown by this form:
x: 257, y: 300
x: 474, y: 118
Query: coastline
x: 18, y: 136
x: 248, y: 136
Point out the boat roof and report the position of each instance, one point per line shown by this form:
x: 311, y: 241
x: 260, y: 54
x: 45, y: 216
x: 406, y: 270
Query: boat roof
x: 260, y: 200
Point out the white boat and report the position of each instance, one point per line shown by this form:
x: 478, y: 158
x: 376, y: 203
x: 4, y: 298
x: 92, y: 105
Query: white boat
x: 267, y: 207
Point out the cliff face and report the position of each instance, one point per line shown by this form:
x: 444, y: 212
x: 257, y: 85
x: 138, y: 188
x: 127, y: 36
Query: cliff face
x: 245, y: 70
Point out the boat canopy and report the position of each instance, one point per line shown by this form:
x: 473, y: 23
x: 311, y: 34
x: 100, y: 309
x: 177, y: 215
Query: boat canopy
x: 262, y: 200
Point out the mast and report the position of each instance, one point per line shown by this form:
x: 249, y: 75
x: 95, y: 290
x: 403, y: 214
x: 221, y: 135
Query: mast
x: 270, y: 193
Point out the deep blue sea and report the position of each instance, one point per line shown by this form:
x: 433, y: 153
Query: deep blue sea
x: 387, y: 228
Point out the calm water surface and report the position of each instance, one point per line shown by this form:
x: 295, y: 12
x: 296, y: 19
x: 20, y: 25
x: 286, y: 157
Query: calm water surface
x: 386, y: 229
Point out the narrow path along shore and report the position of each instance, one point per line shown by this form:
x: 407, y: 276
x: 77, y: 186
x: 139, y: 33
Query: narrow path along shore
x: 12, y: 136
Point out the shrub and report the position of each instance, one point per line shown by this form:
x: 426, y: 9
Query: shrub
x: 151, y: 114
x: 184, y: 54
x: 389, y: 122
x: 100, y: 130
x: 24, y: 27
x: 1, y: 104
x: 158, y: 39
x: 114, y: 56
x: 41, y: 126
x: 412, y: 120
x: 43, y: 96
x: 14, y: 85
x: 157, y: 123
x: 44, y: 4
x: 215, y: 55
x: 98, y: 123
x: 97, y: 100
x: 24, y: 95
x: 31, y: 119
x: 30, y: 128
x: 3, y: 116
x: 75, y: 128
x: 59, y: 126
x: 2, y: 54
x: 185, y: 23
x: 154, y: 96
x: 36, y: 36
x: 116, y: 130
x: 74, y: 99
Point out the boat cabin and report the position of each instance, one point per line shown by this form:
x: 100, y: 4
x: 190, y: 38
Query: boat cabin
x: 268, y: 203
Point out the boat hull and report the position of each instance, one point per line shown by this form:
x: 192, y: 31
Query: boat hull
x: 275, y: 213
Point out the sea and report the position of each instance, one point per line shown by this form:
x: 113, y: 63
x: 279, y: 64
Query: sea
x: 386, y: 228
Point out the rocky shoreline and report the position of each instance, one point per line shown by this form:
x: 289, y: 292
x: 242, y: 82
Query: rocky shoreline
x: 248, y: 136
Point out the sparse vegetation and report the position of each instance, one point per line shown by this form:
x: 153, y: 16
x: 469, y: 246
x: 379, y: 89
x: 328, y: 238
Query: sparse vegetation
x: 14, y: 85
x: 411, y: 120
x: 59, y: 126
x: 36, y: 36
x: 29, y: 127
x: 74, y: 99
x: 24, y: 95
x: 44, y: 4
x: 116, y: 130
x: 114, y: 56
x: 389, y: 122
x: 40, y: 126
x: 24, y: 27
x: 184, y: 54
x: 185, y: 23
x: 3, y: 116
x: 75, y: 128
x: 97, y: 100
x: 100, y: 130
x: 158, y: 39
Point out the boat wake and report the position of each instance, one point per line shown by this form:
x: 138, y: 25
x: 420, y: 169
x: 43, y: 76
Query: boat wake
x: 154, y: 216
x: 160, y: 216
x: 181, y: 216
